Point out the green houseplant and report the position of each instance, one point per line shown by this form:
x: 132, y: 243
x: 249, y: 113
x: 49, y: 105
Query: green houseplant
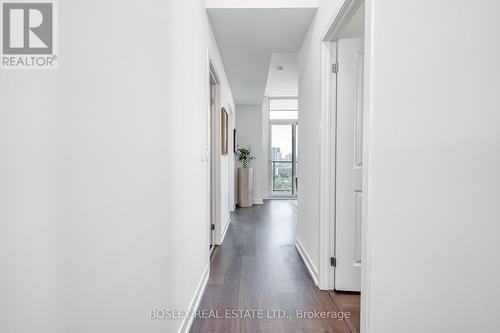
x: 244, y: 155
x: 244, y: 177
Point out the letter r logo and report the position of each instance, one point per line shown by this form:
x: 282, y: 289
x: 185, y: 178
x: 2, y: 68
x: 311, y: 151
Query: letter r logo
x: 27, y: 27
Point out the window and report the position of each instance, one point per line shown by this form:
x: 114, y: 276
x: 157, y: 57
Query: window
x: 283, y: 119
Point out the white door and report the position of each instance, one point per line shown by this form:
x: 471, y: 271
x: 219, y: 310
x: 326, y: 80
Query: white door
x: 349, y: 164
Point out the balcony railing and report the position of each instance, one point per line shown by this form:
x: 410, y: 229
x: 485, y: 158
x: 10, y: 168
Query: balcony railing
x: 283, y: 177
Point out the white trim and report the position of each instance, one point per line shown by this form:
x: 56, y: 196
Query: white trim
x: 187, y: 322
x: 224, y: 230
x: 366, y: 223
x: 283, y: 122
x: 212, y: 249
x: 215, y: 174
x: 258, y: 201
x: 339, y: 21
x: 327, y: 168
x: 284, y: 97
x: 207, y: 153
x: 283, y: 197
x: 313, y: 271
x: 266, y: 151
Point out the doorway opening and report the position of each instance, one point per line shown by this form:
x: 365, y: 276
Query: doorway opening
x: 283, y: 134
x: 348, y: 55
x: 343, y: 153
x: 214, y: 155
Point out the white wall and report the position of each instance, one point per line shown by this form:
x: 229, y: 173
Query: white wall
x: 434, y: 151
x: 309, y: 138
x: 249, y: 133
x: 431, y: 168
x: 98, y: 162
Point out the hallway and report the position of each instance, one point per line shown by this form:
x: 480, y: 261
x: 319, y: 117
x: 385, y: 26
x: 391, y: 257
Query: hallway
x: 258, y: 267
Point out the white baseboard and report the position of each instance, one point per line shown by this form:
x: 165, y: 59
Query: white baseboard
x: 195, y: 302
x: 256, y: 202
x: 224, y: 231
x: 313, y: 271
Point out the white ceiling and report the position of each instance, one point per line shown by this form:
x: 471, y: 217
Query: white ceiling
x: 247, y: 37
x: 261, y: 3
x: 284, y: 83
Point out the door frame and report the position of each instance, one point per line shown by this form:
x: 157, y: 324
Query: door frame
x: 326, y: 276
x: 213, y: 153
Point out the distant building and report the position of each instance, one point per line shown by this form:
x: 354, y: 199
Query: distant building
x: 276, y: 152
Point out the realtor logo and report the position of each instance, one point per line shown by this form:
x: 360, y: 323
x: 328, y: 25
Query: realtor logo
x: 28, y: 34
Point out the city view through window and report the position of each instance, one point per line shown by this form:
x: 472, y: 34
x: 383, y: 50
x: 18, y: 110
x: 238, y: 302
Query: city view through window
x: 284, y: 147
x: 282, y: 159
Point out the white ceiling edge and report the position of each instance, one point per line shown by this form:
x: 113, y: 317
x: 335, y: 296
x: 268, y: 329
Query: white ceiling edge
x: 261, y: 4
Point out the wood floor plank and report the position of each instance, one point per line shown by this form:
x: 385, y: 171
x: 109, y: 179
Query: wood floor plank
x: 348, y: 302
x: 258, y: 268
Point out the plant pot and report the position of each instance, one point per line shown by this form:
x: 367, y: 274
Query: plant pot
x: 245, y: 187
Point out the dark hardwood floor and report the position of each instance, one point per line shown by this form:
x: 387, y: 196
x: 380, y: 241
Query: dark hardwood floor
x: 258, y: 269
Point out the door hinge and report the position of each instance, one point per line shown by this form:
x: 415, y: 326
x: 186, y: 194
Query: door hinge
x: 333, y: 262
x: 335, y: 68
x: 213, y: 226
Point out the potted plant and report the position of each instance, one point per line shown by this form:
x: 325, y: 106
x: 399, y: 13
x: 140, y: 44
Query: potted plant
x: 244, y: 178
